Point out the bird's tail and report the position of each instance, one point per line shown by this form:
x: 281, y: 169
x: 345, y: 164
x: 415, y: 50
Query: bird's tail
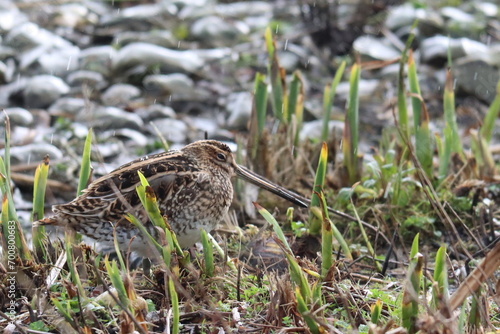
x: 45, y: 221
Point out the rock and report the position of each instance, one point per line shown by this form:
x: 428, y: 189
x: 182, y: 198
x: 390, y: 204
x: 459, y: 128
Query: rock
x: 172, y: 130
x: 216, y: 31
x: 148, y: 54
x: 9, y: 70
x: 239, y: 106
x: 89, y: 78
x: 435, y: 49
x: 98, y: 59
x: 462, y: 24
x: 477, y: 78
x: 133, y: 137
x: 120, y: 94
x: 400, y: 19
x: 366, y: 89
x: 42, y: 90
x: 68, y: 107
x: 288, y: 60
x: 312, y: 130
x: 203, y: 125
x: 10, y: 18
x: 155, y: 111
x: 176, y: 86
x: 163, y: 38
x: 28, y: 35
x: 58, y: 61
x: 375, y: 48
x: 488, y: 9
x: 17, y: 116
x: 33, y: 152
x: 243, y: 9
x: 105, y: 118
x: 73, y: 15
x: 139, y: 16
x: 108, y: 150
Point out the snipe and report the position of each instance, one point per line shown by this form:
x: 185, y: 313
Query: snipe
x: 193, y: 187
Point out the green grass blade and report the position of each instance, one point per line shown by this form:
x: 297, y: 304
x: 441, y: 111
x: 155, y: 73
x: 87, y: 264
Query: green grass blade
x: 174, y: 298
x: 402, y: 109
x: 412, y: 289
x: 424, y: 145
x: 277, y: 229
x: 369, y: 246
x: 299, y: 120
x: 423, y: 140
x: 293, y: 96
x: 353, y: 108
x: 117, y: 281
x: 327, y: 109
x: 328, y: 98
x: 306, y: 313
x: 314, y: 222
x: 148, y: 199
x: 415, y: 90
x: 143, y: 230
x: 326, y: 244
x: 75, y: 276
x: 39, y: 186
x: 450, y: 117
x: 64, y: 311
x: 277, y: 76
x: 444, y: 151
x: 411, y: 293
x: 260, y: 100
x: 208, y: 253
x: 296, y: 273
x: 10, y: 224
x: 414, y: 246
x: 491, y: 115
x: 376, y: 311
x: 440, y: 292
x: 351, y: 128
x: 6, y: 169
x: 85, y: 168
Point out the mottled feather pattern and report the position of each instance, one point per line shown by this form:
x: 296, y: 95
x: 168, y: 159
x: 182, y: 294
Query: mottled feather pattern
x: 193, y: 192
x: 193, y: 188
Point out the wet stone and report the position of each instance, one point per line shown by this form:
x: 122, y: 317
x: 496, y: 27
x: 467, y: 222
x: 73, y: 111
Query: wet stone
x: 105, y: 118
x: 155, y: 111
x: 133, y: 137
x: 375, y: 48
x: 120, y: 94
x: 89, y: 78
x: 477, y: 78
x: 33, y: 152
x: 145, y: 54
x: 17, y: 116
x: 67, y: 107
x: 214, y: 30
x: 173, y: 130
x: 29, y: 35
x: 239, y: 106
x: 42, y: 90
x: 98, y: 59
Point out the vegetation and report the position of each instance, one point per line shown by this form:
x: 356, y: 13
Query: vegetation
x: 336, y: 267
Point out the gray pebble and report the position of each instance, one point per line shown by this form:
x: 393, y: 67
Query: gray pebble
x: 42, y: 90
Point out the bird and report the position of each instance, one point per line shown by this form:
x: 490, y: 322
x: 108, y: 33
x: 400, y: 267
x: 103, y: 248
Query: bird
x: 193, y: 189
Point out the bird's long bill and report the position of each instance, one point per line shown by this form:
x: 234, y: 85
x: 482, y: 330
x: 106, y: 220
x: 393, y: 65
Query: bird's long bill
x: 261, y: 182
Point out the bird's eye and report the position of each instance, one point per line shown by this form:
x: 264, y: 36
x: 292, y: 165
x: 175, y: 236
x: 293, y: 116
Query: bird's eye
x: 221, y: 156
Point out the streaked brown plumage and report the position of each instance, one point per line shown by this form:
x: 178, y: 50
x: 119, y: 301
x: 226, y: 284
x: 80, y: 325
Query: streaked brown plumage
x: 192, y: 185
